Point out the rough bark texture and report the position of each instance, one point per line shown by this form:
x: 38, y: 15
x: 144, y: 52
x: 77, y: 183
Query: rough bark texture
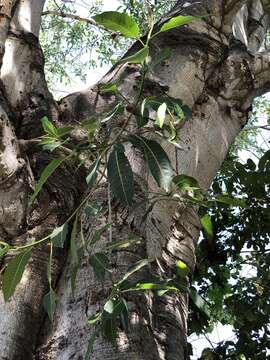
x: 216, y: 70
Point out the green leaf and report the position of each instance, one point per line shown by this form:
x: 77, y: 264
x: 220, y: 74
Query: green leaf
x: 176, y: 22
x: 49, y: 303
x: 161, y: 115
x: 14, y: 272
x: 108, y: 88
x: 182, y: 269
x: 119, y: 22
x: 92, y: 173
x: 207, y: 226
x: 117, y: 110
x: 231, y: 201
x: 157, y: 160
x: 109, y: 328
x: 59, y: 234
x: 46, y: 173
x: 185, y: 182
x: 138, y: 57
x: 4, y: 248
x: 199, y: 302
x: 120, y: 177
x: 115, y: 306
x: 134, y: 268
x: 132, y: 240
x: 100, y: 264
x: 48, y: 127
x: 94, y: 318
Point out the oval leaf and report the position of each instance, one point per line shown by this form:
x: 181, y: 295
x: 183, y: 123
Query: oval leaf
x: 176, y: 22
x: 120, y: 22
x: 138, y: 57
x: 59, y: 234
x: 14, y: 272
x: 161, y: 114
x: 120, y: 176
x: 49, y: 303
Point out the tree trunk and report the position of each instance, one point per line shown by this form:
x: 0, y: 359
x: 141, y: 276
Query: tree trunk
x: 217, y: 76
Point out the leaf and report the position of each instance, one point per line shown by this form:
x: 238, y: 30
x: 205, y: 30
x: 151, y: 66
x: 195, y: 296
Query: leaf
x: 199, y: 302
x: 231, y: 201
x: 73, y: 245
x: 134, y: 268
x: 207, y: 226
x: 185, y: 182
x: 49, y: 303
x: 109, y: 328
x: 120, y: 177
x: 157, y: 160
x: 115, y: 306
x: 92, y: 173
x: 14, y: 272
x: 46, y: 173
x: 182, y: 269
x: 108, y: 88
x: 161, y: 114
x: 117, y: 110
x: 59, y: 234
x: 132, y: 240
x: 94, y: 318
x: 161, y: 56
x: 137, y: 58
x: 4, y: 248
x: 119, y: 22
x: 48, y: 127
x: 176, y: 22
x: 100, y: 264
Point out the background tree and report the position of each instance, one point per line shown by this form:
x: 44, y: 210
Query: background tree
x: 217, y: 75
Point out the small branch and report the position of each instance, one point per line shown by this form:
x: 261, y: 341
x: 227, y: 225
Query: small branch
x: 74, y: 17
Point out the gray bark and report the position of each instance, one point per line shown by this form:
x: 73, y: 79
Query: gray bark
x: 217, y: 77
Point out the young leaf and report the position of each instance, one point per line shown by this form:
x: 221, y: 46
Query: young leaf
x: 48, y: 127
x: 134, y: 268
x: 14, y: 272
x: 108, y: 88
x: 120, y: 177
x: 181, y: 268
x: 49, y: 303
x: 119, y: 22
x: 176, y: 22
x: 59, y: 234
x: 157, y: 160
x: 138, y: 57
x: 46, y: 173
x: 100, y: 264
x: 207, y: 226
x: 161, y: 114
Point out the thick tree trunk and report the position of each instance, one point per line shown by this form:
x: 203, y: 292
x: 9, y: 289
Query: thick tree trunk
x: 217, y: 78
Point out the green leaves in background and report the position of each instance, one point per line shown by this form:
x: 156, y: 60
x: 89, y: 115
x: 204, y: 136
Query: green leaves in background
x: 59, y: 234
x: 137, y: 58
x: 119, y: 22
x: 46, y: 173
x: 157, y: 160
x: 176, y: 22
x: 120, y: 176
x: 14, y: 272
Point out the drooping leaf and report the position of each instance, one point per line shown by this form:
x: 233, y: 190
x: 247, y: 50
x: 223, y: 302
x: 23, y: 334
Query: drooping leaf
x: 14, y: 272
x: 92, y: 173
x: 157, y: 160
x: 120, y: 177
x: 138, y: 57
x: 108, y: 88
x: 46, y: 173
x: 109, y: 328
x: 207, y: 226
x: 59, y: 234
x: 182, y: 269
x: 119, y: 22
x: 199, y: 302
x: 94, y: 318
x: 176, y: 22
x: 161, y: 115
x: 134, y: 268
x: 49, y: 303
x: 100, y: 264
